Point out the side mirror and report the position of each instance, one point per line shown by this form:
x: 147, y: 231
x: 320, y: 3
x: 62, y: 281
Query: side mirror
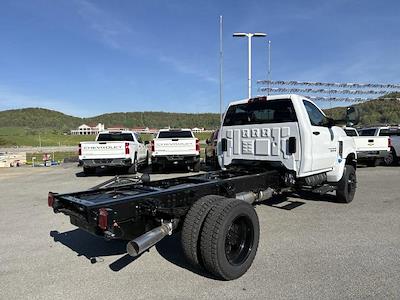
x: 330, y: 122
x: 207, y: 141
x: 352, y: 116
x: 146, y: 142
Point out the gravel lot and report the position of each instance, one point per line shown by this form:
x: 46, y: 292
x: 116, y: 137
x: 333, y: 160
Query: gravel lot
x: 309, y: 249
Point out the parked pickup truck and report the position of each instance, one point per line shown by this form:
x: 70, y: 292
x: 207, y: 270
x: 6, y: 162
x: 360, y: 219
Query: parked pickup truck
x: 370, y: 149
x: 175, y: 147
x: 393, y: 132
x: 267, y: 146
x: 119, y: 149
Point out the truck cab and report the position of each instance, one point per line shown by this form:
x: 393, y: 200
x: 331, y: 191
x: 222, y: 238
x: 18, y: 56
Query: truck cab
x: 285, y: 131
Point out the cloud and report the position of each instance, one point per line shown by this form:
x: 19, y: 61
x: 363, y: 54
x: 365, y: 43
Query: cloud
x: 114, y: 34
x: 109, y: 30
x: 186, y: 68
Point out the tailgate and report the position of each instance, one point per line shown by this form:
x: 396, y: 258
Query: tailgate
x: 98, y: 150
x: 372, y: 143
x: 175, y: 146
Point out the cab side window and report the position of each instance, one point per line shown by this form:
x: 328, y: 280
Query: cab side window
x: 139, y: 138
x: 315, y: 115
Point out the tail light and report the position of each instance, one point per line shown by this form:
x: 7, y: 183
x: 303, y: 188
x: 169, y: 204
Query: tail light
x: 126, y: 148
x: 197, y: 145
x: 152, y: 146
x: 390, y: 142
x: 50, y: 199
x: 80, y: 149
x: 103, y: 218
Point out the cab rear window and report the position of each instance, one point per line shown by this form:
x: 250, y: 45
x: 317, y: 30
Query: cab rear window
x: 261, y: 112
x: 110, y: 137
x: 175, y: 134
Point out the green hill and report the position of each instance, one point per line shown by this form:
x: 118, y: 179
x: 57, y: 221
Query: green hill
x: 40, y: 118
x: 379, y: 111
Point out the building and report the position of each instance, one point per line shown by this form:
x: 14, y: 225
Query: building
x: 88, y: 130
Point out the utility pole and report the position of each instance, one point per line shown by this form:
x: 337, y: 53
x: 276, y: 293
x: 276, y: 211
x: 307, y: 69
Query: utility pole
x: 269, y: 67
x: 221, y: 57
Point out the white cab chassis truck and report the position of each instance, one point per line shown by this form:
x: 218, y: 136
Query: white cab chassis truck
x: 117, y: 149
x: 290, y: 133
x: 267, y: 146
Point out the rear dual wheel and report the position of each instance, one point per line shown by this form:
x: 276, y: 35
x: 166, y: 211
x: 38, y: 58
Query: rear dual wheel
x: 223, y: 237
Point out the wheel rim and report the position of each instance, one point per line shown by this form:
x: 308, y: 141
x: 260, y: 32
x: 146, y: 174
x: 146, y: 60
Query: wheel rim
x: 389, y: 159
x: 239, y: 240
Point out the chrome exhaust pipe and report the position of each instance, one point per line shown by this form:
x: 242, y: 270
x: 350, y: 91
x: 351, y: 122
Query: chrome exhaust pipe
x: 251, y: 197
x: 148, y: 239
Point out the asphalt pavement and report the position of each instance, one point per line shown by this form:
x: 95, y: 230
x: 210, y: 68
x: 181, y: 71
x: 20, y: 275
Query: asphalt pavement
x: 309, y: 248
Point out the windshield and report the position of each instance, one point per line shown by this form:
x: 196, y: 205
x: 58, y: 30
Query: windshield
x: 260, y: 112
x: 175, y: 134
x: 118, y: 136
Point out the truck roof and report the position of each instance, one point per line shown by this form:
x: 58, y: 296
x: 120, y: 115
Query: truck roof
x: 293, y: 97
x: 118, y: 131
x: 176, y: 129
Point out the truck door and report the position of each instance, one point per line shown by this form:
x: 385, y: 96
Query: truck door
x: 324, y: 144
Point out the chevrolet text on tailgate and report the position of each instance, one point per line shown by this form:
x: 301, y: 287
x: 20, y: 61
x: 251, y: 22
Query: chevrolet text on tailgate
x: 118, y: 149
x: 174, y: 147
x: 266, y: 146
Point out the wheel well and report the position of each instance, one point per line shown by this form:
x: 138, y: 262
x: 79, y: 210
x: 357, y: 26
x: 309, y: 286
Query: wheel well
x: 351, y: 160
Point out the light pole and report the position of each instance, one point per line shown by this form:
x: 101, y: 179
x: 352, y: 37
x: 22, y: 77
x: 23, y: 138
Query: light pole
x: 249, y: 36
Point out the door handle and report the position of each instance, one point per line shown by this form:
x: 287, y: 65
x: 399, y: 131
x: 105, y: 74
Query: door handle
x: 316, y: 132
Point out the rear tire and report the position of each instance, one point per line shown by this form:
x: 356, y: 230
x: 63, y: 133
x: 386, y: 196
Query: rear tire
x: 347, y: 185
x: 196, y: 166
x: 191, y: 229
x: 372, y: 163
x: 229, y: 238
x: 134, y: 168
x: 391, y: 159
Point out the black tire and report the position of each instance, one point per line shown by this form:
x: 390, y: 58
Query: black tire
x: 391, y: 159
x: 134, y: 167
x: 191, y: 229
x: 155, y: 167
x: 89, y: 171
x: 347, y: 185
x: 372, y: 163
x: 229, y: 238
x: 196, y: 166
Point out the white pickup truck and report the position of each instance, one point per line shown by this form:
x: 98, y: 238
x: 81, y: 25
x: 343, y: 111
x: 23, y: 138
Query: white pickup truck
x: 393, y: 133
x: 370, y: 149
x: 290, y: 133
x: 175, y: 147
x: 122, y: 149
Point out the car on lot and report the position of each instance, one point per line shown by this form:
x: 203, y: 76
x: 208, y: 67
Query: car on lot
x: 174, y: 147
x: 393, y: 133
x: 117, y: 149
x: 371, y: 150
x: 266, y: 146
x: 210, y: 151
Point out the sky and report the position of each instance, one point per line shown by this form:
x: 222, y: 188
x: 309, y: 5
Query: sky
x: 86, y: 58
